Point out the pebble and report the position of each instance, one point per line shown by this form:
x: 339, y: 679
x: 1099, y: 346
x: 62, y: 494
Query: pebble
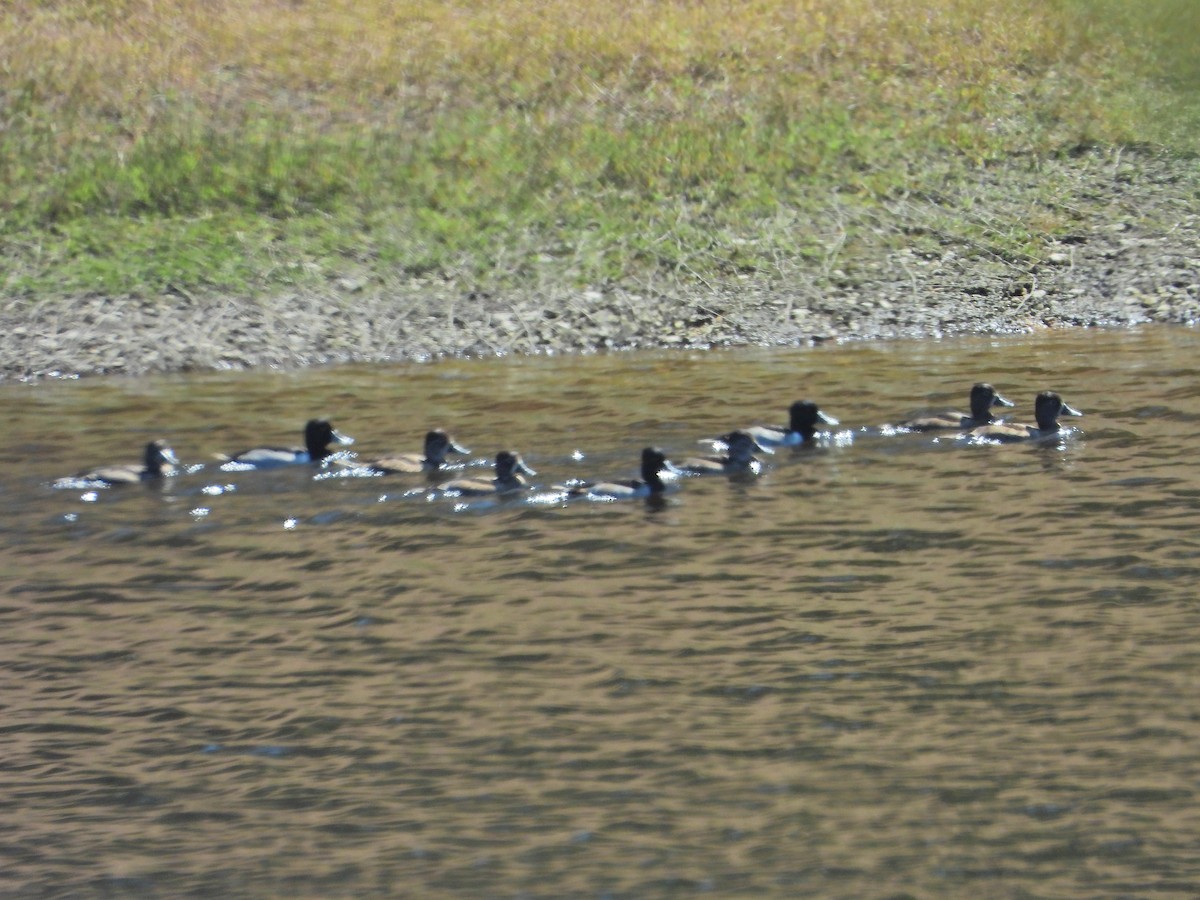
x: 1128, y: 270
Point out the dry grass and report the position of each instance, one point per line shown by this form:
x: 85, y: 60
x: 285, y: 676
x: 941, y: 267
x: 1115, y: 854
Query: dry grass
x: 374, y: 60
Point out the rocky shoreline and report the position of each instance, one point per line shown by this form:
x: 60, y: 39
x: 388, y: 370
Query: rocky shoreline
x: 1134, y: 258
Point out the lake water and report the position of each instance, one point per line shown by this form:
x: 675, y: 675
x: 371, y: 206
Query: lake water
x: 890, y: 666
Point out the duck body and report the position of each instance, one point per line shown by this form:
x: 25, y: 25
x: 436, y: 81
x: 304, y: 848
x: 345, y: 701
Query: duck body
x: 740, y: 458
x: 318, y: 435
x: 509, y: 468
x: 983, y: 398
x: 654, y: 461
x: 1047, y: 408
x: 804, y: 417
x: 159, y: 459
x: 437, y: 445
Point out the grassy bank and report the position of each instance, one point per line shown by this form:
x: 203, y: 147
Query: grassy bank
x: 259, y: 147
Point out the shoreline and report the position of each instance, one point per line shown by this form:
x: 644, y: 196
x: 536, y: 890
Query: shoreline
x: 1132, y: 256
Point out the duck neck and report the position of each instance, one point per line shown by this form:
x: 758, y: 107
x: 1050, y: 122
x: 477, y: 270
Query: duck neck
x: 1046, y: 424
x: 804, y: 428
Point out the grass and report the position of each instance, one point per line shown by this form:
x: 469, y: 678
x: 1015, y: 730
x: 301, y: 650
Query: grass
x: 273, y: 145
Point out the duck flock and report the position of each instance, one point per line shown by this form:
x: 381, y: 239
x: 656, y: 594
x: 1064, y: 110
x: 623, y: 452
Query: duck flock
x: 735, y: 452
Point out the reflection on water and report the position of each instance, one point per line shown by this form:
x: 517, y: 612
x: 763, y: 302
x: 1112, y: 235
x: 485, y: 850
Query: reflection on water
x: 889, y: 665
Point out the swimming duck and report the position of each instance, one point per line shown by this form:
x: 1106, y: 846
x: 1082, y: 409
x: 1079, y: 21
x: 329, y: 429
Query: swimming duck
x: 983, y: 398
x: 739, y: 459
x: 318, y: 435
x: 1046, y: 408
x: 158, y: 460
x: 437, y: 445
x: 803, y: 418
x: 509, y: 468
x: 654, y: 461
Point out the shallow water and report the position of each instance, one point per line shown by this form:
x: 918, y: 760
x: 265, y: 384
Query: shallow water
x: 889, y: 665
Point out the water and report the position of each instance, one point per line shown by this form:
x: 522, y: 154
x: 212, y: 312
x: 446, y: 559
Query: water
x: 890, y: 666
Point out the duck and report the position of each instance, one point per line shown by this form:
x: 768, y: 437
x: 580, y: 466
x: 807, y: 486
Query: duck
x: 654, y: 462
x: 437, y: 444
x: 983, y: 398
x: 318, y: 435
x: 509, y: 469
x: 1046, y: 409
x: 739, y: 459
x: 803, y: 418
x: 159, y: 460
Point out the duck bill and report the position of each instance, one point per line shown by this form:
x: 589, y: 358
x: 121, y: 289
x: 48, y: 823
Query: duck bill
x: 169, y: 456
x: 344, y: 439
x: 827, y: 419
x: 1068, y: 410
x: 524, y: 469
x: 458, y: 449
x: 1002, y: 401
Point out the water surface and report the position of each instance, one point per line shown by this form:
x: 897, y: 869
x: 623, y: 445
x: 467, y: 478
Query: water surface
x: 891, y: 665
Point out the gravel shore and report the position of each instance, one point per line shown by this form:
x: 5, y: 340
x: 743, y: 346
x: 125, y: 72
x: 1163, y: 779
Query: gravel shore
x: 1131, y: 256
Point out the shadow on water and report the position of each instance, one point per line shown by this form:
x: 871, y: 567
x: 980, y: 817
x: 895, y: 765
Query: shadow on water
x: 892, y: 664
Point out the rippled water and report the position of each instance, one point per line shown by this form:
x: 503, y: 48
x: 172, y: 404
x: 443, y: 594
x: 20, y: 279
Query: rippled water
x: 890, y: 666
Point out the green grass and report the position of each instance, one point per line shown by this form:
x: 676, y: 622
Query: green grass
x: 261, y: 147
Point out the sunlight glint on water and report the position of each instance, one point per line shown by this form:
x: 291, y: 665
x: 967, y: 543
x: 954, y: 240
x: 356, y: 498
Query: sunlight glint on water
x: 890, y: 664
